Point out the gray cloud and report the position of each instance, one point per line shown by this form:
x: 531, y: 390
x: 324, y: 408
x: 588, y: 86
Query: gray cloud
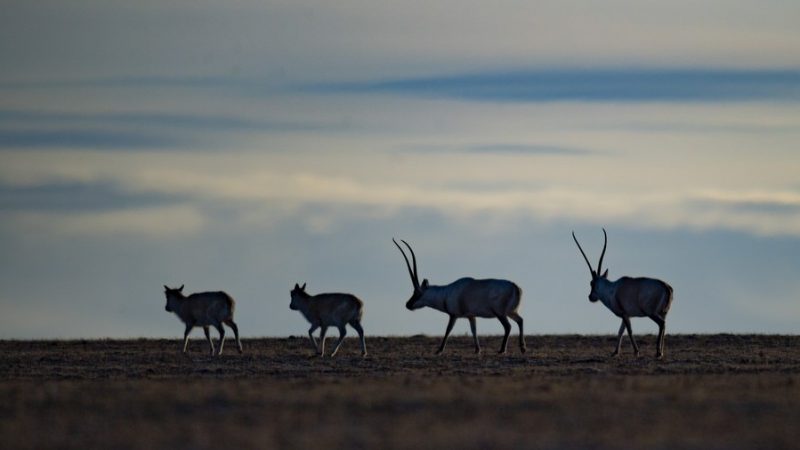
x: 750, y: 206
x: 502, y: 148
x: 594, y: 84
x: 78, y: 197
x: 87, y: 139
x: 194, y: 122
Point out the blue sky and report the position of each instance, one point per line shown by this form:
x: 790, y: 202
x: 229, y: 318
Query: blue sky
x: 246, y: 146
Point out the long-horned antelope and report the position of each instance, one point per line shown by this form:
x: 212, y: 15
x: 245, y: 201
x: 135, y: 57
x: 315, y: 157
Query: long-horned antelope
x: 325, y: 310
x: 630, y: 297
x: 203, y: 309
x: 470, y: 298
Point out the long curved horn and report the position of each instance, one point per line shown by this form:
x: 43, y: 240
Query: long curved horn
x: 605, y: 243
x: 413, y: 259
x: 408, y: 265
x: 584, y: 254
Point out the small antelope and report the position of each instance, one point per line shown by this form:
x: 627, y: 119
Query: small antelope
x: 470, y: 298
x: 203, y: 309
x: 324, y: 310
x: 630, y: 297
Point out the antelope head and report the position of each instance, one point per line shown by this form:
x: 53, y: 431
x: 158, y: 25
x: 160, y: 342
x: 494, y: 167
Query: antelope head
x: 419, y: 289
x: 297, y: 293
x: 173, y: 297
x: 598, y: 281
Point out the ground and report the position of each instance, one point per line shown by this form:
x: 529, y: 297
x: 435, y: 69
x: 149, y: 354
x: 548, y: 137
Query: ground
x: 711, y: 391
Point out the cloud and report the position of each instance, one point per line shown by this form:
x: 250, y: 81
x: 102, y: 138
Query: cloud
x: 133, y: 82
x: 618, y: 84
x: 87, y: 139
x: 77, y: 197
x: 502, y: 149
x: 137, y: 119
x: 135, y: 130
x: 151, y: 222
x: 246, y: 194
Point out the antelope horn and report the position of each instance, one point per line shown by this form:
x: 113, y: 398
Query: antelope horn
x: 584, y: 254
x: 408, y: 265
x: 605, y: 243
x: 413, y: 259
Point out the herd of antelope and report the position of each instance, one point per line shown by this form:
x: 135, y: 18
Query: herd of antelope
x: 466, y: 297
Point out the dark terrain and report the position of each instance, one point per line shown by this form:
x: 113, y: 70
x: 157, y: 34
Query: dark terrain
x: 711, y: 391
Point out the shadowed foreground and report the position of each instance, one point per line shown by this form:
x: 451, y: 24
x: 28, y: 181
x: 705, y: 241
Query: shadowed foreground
x: 719, y: 391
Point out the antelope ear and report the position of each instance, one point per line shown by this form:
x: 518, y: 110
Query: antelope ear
x: 424, y: 283
x: 303, y: 287
x: 165, y: 288
x: 181, y: 288
x: 605, y: 274
x: 296, y: 287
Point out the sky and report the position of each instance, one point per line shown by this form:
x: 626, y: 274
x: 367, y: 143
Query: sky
x: 248, y: 145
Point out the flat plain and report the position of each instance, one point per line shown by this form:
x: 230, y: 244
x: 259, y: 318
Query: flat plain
x: 711, y: 392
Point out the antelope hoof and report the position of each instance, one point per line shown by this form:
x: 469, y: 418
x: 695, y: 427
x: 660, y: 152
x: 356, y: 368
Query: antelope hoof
x: 240, y: 351
x: 659, y: 356
x: 523, y: 349
x: 501, y: 352
x: 439, y: 352
x: 615, y: 354
x: 363, y: 354
x: 636, y: 354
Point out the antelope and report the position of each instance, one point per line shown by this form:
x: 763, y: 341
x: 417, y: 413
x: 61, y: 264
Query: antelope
x: 630, y: 297
x: 203, y: 309
x: 324, y: 310
x: 470, y: 298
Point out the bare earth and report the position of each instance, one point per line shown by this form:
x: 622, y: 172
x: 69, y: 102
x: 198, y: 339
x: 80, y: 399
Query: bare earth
x: 711, y: 391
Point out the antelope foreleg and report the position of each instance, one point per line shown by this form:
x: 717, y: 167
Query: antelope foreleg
x: 630, y: 335
x: 619, y: 338
x: 312, y: 338
x: 450, y: 324
x: 322, y: 340
x: 186, y: 337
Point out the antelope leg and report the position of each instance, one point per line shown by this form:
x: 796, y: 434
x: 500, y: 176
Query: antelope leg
x: 630, y: 335
x: 313, y: 339
x: 450, y: 324
x: 357, y: 325
x: 322, y: 340
x: 507, y: 329
x: 619, y: 338
x: 186, y: 337
x: 235, y: 329
x: 473, y: 327
x: 517, y: 318
x: 208, y: 338
x: 221, y: 331
x: 342, y: 334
